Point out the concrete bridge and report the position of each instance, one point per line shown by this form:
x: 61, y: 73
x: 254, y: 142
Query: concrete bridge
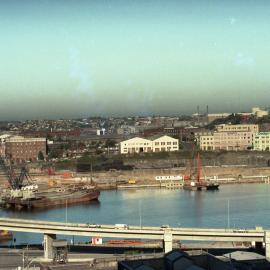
x: 51, y: 229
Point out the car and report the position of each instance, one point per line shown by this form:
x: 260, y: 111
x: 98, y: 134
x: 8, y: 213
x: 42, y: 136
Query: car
x: 121, y: 226
x: 94, y: 226
x: 164, y: 226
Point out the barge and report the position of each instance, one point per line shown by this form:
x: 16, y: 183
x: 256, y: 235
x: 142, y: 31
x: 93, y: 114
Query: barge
x: 52, y: 198
x: 5, y: 235
x: 200, y: 185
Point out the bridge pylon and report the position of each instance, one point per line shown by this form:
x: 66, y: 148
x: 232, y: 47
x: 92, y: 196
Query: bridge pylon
x: 48, y: 246
x: 267, y: 244
x: 168, y: 240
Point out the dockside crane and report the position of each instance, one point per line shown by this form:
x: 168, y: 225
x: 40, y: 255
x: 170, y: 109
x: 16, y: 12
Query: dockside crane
x: 15, y: 181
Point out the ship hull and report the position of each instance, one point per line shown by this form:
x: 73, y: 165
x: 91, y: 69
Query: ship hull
x: 201, y: 186
x: 54, y: 199
x: 212, y: 187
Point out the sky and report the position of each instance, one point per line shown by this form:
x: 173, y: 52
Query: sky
x: 77, y: 58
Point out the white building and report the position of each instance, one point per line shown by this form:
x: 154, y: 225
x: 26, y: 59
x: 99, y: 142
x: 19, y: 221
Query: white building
x: 141, y: 145
x: 262, y: 141
x: 258, y: 112
x: 135, y: 145
x: 207, y: 142
x: 165, y: 144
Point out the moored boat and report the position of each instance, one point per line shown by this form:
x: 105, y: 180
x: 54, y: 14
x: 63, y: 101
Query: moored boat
x: 50, y: 198
x: 200, y: 185
x: 197, y: 183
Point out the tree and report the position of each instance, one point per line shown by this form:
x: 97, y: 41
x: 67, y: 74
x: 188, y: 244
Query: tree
x: 55, y: 153
x: 40, y: 155
x: 110, y: 143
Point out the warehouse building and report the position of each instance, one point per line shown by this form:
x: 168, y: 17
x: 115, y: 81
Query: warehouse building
x: 165, y: 144
x: 20, y: 149
x: 156, y: 144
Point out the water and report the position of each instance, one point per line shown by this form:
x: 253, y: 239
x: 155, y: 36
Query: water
x: 236, y: 206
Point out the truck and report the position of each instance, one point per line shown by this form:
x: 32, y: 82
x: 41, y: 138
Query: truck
x: 132, y: 181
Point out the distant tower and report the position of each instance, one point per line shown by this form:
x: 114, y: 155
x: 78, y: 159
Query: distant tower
x: 198, y: 113
x: 207, y: 111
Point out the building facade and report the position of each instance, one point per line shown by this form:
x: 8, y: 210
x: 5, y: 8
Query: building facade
x: 2, y: 149
x: 20, y: 149
x: 141, y: 145
x: 213, y: 116
x: 207, y: 142
x: 2, y: 144
x: 237, y: 128
x: 262, y: 141
x: 135, y: 145
x: 233, y: 141
x: 229, y: 138
x: 165, y: 144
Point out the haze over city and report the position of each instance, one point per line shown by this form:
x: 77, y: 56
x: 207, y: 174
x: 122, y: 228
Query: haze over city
x: 79, y: 58
x: 134, y: 134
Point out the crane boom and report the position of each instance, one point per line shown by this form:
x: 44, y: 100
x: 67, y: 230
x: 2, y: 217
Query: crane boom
x: 15, y: 182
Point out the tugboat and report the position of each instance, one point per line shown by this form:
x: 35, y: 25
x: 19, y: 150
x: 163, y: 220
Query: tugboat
x: 194, y: 181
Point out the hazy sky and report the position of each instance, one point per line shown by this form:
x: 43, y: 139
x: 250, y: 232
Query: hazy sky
x: 64, y: 58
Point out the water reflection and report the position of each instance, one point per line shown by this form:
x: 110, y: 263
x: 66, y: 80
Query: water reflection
x: 249, y: 207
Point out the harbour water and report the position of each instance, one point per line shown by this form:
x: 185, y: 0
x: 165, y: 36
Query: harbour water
x: 234, y: 206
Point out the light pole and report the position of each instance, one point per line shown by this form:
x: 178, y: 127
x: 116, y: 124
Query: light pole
x: 228, y: 214
x: 25, y: 261
x: 140, y: 213
x: 33, y: 260
x: 24, y: 257
x: 66, y: 212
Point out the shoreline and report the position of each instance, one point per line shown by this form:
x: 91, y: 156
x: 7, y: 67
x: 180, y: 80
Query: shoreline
x: 179, y: 185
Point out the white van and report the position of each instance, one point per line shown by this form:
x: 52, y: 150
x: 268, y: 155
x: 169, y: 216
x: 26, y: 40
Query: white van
x: 121, y: 226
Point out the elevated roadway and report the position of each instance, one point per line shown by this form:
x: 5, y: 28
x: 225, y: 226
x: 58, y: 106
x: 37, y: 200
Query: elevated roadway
x: 51, y: 229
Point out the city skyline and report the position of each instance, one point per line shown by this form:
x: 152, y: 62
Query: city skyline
x: 64, y: 59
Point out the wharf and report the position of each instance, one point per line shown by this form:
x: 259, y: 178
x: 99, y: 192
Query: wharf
x: 140, y: 186
x: 142, y: 245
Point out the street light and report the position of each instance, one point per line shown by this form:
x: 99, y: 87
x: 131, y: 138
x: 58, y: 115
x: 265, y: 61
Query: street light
x: 33, y: 260
x: 23, y: 255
